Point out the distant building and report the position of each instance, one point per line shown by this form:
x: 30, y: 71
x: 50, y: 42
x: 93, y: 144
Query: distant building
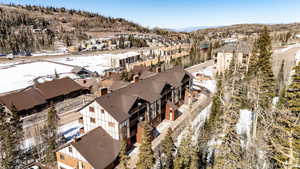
x: 223, y: 56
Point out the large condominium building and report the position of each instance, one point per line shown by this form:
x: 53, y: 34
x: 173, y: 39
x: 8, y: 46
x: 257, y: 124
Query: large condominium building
x: 117, y: 115
x: 239, y: 50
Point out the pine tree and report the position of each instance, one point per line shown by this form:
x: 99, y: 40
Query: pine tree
x: 168, y: 149
x: 50, y: 136
x: 282, y: 102
x: 252, y: 65
x: 267, y: 87
x: 230, y: 151
x: 285, y: 140
x: 146, y: 155
x: 194, y: 158
x: 293, y: 92
x: 184, y: 154
x: 11, y: 138
x: 123, y: 155
x: 216, y: 108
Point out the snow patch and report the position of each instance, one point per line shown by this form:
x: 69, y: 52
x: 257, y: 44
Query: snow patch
x: 287, y: 48
x: 70, y: 130
x: 245, y: 121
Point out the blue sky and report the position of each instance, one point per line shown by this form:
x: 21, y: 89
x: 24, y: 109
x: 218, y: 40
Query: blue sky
x: 185, y: 13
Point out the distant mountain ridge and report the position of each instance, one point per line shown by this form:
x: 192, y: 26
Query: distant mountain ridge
x: 192, y: 28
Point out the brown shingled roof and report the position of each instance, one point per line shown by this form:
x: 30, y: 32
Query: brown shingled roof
x: 117, y: 105
x: 118, y: 84
x: 98, y: 148
x: 23, y: 100
x: 39, y: 94
x: 58, y: 87
x: 119, y: 102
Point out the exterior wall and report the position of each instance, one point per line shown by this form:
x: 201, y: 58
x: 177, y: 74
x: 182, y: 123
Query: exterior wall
x: 224, y: 59
x: 71, y: 159
x: 103, y: 119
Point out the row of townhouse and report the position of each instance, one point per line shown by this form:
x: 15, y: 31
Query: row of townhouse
x: 118, y: 115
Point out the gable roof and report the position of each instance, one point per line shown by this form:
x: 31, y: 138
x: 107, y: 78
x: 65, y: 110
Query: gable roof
x: 98, y: 148
x: 39, y: 94
x: 117, y: 105
x: 147, y: 74
x: 23, y: 100
x: 119, y: 102
x: 118, y: 84
x: 58, y: 87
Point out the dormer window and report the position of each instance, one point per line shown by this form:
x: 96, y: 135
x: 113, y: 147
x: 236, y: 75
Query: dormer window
x: 92, y: 109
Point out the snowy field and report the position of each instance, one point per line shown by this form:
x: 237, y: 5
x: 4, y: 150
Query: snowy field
x: 21, y: 76
x: 18, y: 75
x: 97, y: 63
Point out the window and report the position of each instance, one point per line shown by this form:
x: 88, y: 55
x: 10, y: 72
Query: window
x: 111, y: 124
x: 62, y: 157
x: 92, y: 109
x: 102, y: 110
x: 70, y: 150
x: 92, y: 120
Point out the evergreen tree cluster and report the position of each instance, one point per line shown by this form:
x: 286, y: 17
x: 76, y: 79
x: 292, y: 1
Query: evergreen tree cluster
x: 11, y: 137
x: 90, y: 20
x: 16, y: 32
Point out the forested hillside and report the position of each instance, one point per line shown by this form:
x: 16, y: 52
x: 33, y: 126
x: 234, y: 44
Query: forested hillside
x: 31, y: 28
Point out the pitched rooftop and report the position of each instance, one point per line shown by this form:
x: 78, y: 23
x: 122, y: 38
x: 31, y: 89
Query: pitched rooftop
x: 98, y: 148
x: 119, y: 102
x: 39, y: 94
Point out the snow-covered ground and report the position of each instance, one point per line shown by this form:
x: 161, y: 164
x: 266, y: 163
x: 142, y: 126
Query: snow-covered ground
x: 97, y: 63
x: 20, y: 76
x: 297, y: 57
x: 70, y: 130
x: 50, y: 53
x: 287, y: 48
x: 209, y: 84
x: 245, y: 122
x: 163, y: 125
